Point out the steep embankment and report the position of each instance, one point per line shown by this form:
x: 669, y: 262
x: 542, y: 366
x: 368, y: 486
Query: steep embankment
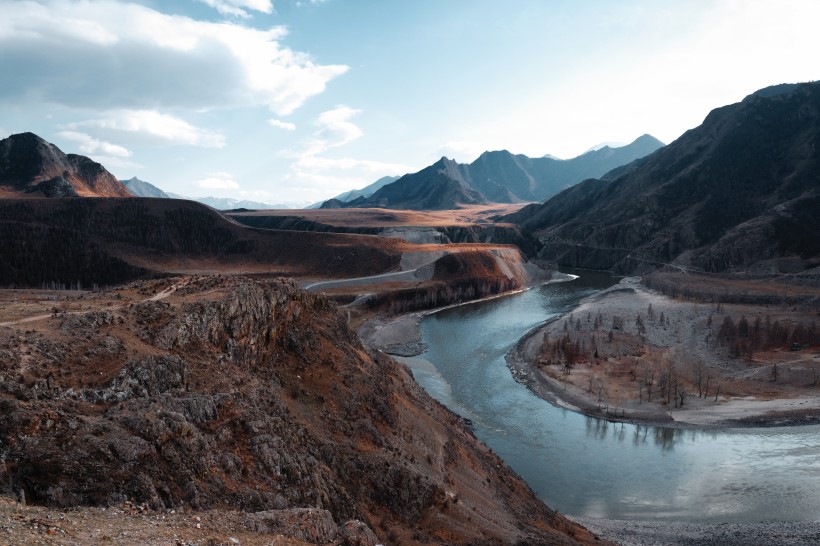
x: 232, y: 393
x: 740, y: 190
x: 459, y: 276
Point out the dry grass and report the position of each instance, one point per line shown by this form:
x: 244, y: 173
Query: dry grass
x: 463, y: 216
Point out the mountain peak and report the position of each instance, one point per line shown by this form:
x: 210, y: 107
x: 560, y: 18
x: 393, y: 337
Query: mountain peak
x: 30, y: 164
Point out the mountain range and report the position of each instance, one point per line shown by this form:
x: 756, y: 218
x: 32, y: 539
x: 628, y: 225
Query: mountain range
x: 498, y: 177
x: 141, y: 188
x: 740, y: 190
x: 30, y: 165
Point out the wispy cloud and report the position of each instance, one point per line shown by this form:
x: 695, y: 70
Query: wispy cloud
x: 318, y: 174
x: 218, y: 181
x: 61, y: 50
x: 238, y: 8
x: 155, y: 124
x: 334, y: 129
x: 286, y: 125
x: 90, y: 145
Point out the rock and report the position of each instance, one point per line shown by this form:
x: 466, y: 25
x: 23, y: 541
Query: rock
x: 355, y: 533
x: 309, y: 524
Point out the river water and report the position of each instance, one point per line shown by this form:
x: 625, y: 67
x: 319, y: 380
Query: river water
x: 589, y: 467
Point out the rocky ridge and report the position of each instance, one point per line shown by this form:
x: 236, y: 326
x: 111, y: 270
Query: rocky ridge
x: 228, y: 393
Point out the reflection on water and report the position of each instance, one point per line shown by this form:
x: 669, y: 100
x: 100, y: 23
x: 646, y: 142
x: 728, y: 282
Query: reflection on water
x: 585, y: 466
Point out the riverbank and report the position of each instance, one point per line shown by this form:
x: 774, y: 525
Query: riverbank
x: 400, y: 335
x: 681, y: 533
x: 627, y: 337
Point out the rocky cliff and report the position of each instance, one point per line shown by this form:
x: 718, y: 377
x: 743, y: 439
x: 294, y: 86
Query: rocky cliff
x: 231, y: 393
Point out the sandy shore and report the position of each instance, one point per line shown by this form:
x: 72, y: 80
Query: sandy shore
x: 681, y: 336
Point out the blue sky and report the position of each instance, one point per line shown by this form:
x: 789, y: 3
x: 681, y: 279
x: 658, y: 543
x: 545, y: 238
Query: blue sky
x: 296, y: 101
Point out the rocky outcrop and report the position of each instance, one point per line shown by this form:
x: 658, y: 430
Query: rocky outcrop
x: 232, y: 393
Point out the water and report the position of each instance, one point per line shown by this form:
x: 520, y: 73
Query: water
x: 590, y: 467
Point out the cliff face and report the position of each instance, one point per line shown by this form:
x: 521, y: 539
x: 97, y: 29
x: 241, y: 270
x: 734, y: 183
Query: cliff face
x: 232, y: 393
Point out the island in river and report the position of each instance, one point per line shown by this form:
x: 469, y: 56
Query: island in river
x: 630, y: 353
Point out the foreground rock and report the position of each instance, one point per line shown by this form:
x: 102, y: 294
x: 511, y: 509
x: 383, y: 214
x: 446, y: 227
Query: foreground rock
x: 233, y: 394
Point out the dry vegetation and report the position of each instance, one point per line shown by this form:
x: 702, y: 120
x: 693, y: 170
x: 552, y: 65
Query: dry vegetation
x: 633, y: 353
x: 247, y: 397
x: 465, y: 215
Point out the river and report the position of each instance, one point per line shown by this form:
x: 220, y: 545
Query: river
x: 589, y: 467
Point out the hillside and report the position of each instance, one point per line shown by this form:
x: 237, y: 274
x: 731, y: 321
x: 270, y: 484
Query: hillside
x: 499, y: 177
x: 739, y: 192
x: 30, y: 166
x: 64, y: 242
x: 227, y: 393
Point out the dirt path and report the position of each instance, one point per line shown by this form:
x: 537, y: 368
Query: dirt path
x: 156, y: 297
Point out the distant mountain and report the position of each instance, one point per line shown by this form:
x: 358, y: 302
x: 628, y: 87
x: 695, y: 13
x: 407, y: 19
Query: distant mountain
x: 30, y: 165
x: 367, y: 191
x: 227, y: 203
x: 141, y: 188
x: 442, y: 185
x: 741, y: 190
x: 499, y: 177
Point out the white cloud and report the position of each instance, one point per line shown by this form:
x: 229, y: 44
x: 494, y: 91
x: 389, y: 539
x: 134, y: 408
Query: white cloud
x: 90, y: 145
x: 155, y: 124
x: 218, y: 181
x: 236, y: 8
x: 334, y: 130
x: 318, y: 175
x: 286, y: 125
x: 115, y: 55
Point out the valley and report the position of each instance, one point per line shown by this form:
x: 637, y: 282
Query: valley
x: 261, y: 368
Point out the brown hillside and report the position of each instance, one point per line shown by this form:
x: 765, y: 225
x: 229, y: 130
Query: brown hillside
x: 229, y: 393
x: 107, y: 241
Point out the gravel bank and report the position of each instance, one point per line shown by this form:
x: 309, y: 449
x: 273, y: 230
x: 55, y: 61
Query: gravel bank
x: 674, y: 533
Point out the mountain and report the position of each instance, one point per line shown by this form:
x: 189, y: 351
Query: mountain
x: 367, y: 191
x: 30, y: 165
x: 443, y: 185
x: 740, y: 190
x: 141, y: 188
x: 499, y: 177
x: 228, y: 203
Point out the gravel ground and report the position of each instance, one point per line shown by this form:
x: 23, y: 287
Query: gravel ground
x: 651, y: 533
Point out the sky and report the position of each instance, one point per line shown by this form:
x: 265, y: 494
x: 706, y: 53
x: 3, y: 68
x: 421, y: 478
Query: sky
x: 295, y: 101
